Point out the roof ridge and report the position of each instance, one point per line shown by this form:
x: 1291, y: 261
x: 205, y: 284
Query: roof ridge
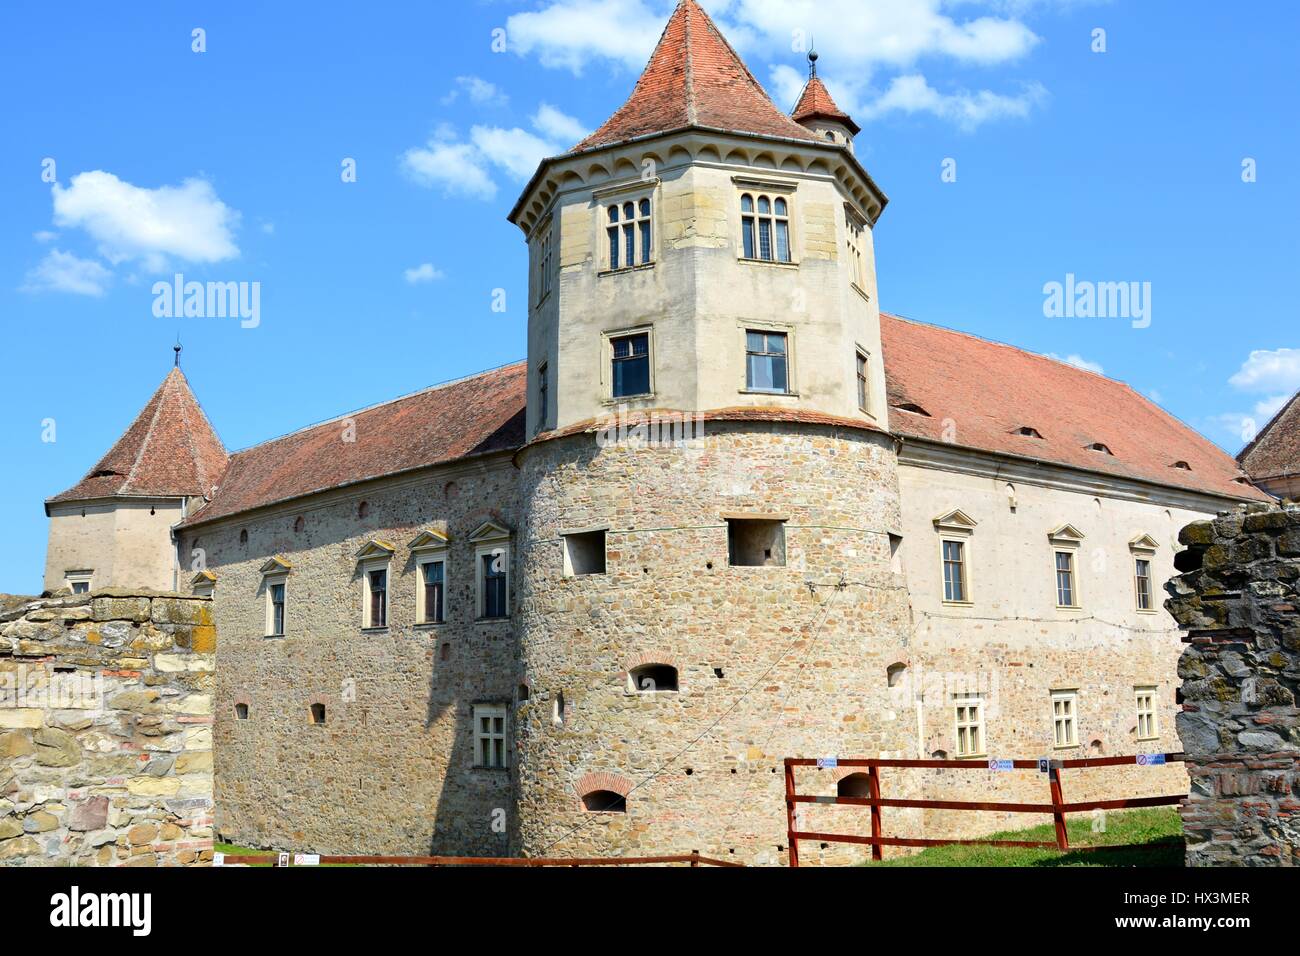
x: 692, y: 114
x: 161, y: 396
x: 376, y: 405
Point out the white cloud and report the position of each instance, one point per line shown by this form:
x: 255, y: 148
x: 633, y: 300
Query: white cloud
x: 45, y: 236
x: 458, y: 168
x: 1269, y: 371
x: 856, y: 38
x: 64, y: 272
x: 464, y: 168
x: 480, y: 92
x: 556, y: 125
x: 515, y: 150
x: 1078, y: 361
x: 130, y: 222
x: 913, y: 94
x: 424, y: 272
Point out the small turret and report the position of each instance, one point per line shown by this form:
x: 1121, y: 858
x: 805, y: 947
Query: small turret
x: 816, y: 110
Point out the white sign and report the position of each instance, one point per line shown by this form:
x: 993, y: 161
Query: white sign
x: 306, y: 859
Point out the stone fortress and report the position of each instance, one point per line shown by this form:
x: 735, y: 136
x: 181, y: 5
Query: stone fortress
x: 727, y: 511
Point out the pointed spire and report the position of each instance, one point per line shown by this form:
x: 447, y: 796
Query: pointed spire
x: 695, y: 78
x: 815, y: 101
x: 170, y: 450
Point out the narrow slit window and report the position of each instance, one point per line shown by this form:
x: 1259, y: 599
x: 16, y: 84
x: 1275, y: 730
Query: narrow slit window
x: 862, y: 381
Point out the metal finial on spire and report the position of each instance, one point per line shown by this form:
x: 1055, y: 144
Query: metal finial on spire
x: 177, y: 349
x: 812, y: 59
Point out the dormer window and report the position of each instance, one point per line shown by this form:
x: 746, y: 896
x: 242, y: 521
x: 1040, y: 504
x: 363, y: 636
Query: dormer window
x: 1098, y: 446
x: 1182, y: 465
x: 765, y: 227
x: 1028, y: 431
x: 629, y: 233
x: 914, y: 408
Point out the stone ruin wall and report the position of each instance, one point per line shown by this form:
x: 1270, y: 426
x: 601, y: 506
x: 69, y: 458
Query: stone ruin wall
x: 1239, y: 601
x: 106, y: 730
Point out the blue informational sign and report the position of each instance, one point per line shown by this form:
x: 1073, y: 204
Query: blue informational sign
x: 828, y: 762
x: 1150, y: 760
x: 1002, y: 765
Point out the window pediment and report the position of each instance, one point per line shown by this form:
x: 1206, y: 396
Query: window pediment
x: 955, y: 522
x: 203, y: 579
x: 489, y: 531
x: 431, y: 540
x: 276, y: 565
x: 1144, y: 544
x: 375, y: 548
x: 1066, y: 535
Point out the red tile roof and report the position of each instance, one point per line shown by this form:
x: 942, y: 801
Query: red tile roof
x: 1275, y: 452
x: 471, y: 416
x: 816, y: 101
x: 169, y: 451
x: 988, y: 390
x: 982, y: 392
x: 695, y: 78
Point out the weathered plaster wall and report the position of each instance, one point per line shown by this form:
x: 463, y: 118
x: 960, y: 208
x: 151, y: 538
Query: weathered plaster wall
x: 106, y: 731
x: 125, y: 542
x: 1240, y: 726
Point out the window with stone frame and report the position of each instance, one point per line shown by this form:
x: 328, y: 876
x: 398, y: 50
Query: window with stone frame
x: 629, y: 233
x: 765, y: 227
x: 1147, y: 726
x: 1142, y: 584
x: 1065, y: 727
x: 490, y: 736
x: 969, y: 715
x: 855, y: 228
x: 275, y: 594
x: 862, y: 365
x: 630, y: 365
x: 767, y: 366
x: 545, y: 258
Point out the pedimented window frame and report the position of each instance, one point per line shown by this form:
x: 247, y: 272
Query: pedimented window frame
x: 1143, y: 548
x: 430, y: 547
x: 275, y: 572
x: 376, y: 555
x: 491, y: 538
x: 203, y: 584
x: 958, y: 527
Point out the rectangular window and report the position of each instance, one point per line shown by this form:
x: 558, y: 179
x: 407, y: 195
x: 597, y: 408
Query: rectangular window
x: 1066, y: 594
x: 494, y: 583
x: 1142, y: 580
x: 377, y: 614
x: 1064, y: 729
x: 765, y: 362
x: 863, y: 393
x: 545, y: 261
x: 954, y: 571
x: 80, y: 587
x: 970, y: 727
x: 433, y: 582
x: 630, y: 374
x: 1146, y: 713
x: 78, y: 581
x: 489, y: 735
x: 275, y: 594
x: 755, y: 542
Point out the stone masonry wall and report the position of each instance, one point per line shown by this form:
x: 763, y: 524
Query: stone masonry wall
x: 1240, y: 727
x: 106, y: 730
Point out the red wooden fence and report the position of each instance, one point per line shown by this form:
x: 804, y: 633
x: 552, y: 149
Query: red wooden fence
x: 1058, y: 808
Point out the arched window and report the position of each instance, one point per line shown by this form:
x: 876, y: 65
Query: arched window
x: 649, y: 678
x: 629, y: 234
x: 318, y: 713
x: 298, y: 524
x: 895, y: 672
x: 604, y: 801
x: 363, y: 509
x: 243, y: 536
x: 765, y: 227
x: 854, y: 785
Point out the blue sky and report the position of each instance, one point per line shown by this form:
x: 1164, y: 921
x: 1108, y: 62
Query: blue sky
x: 226, y: 164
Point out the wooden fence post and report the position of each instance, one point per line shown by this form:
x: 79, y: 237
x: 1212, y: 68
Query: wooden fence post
x: 1058, y: 816
x: 873, y: 787
x: 789, y: 813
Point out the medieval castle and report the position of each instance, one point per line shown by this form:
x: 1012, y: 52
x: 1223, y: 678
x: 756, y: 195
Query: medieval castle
x: 727, y: 511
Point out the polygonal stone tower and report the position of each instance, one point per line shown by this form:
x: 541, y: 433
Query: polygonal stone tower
x: 709, y: 491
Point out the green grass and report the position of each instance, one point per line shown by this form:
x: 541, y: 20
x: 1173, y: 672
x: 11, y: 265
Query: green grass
x: 231, y: 850
x: 1150, y: 838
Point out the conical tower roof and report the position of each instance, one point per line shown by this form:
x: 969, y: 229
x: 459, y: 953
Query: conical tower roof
x: 695, y: 78
x: 816, y: 101
x: 170, y: 451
